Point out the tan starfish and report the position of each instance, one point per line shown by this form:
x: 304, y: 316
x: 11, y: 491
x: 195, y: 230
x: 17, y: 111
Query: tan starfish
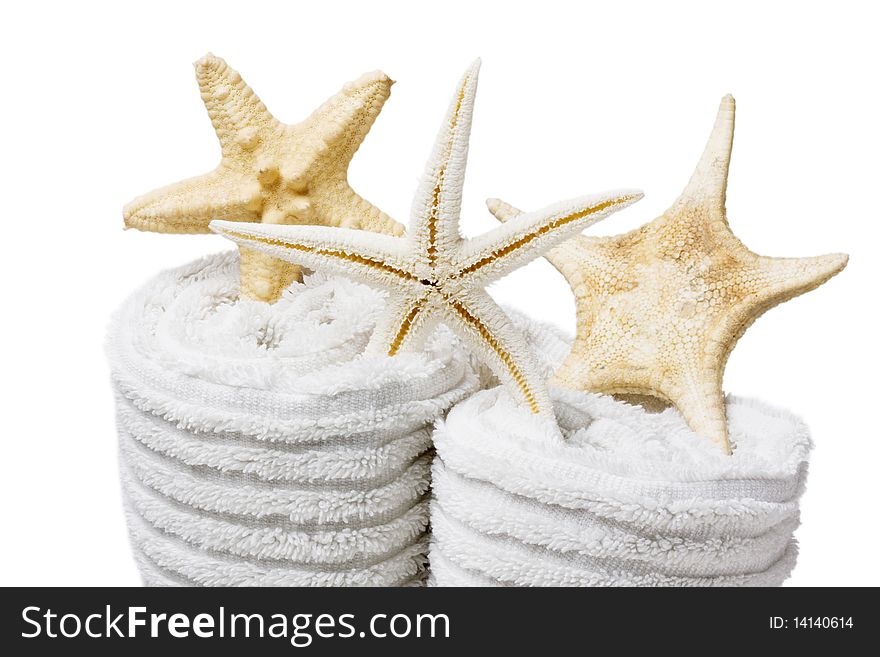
x: 660, y: 308
x: 433, y: 274
x: 271, y: 172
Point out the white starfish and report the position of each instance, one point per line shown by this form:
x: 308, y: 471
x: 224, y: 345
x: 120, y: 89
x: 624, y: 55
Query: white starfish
x: 434, y: 274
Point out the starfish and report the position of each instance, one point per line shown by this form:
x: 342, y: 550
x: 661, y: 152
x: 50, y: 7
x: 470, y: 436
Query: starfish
x: 659, y: 309
x: 433, y: 274
x: 271, y: 172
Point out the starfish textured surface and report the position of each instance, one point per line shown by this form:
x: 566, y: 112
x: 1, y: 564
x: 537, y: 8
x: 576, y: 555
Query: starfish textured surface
x: 660, y: 308
x: 271, y: 172
x: 434, y: 274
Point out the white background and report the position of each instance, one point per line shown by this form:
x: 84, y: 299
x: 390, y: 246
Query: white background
x: 99, y: 104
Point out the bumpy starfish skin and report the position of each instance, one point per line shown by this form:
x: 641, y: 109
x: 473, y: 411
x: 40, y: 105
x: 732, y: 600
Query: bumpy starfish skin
x: 271, y: 172
x: 660, y: 308
x: 434, y: 274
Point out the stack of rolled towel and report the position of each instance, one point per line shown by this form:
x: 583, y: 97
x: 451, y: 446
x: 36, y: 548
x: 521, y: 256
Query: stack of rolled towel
x: 257, y: 447
x: 622, y: 497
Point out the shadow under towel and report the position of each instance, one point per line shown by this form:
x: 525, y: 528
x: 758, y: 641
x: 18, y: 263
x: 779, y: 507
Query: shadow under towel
x: 258, y: 447
x: 628, y: 498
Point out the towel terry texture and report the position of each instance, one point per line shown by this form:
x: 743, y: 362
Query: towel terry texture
x: 257, y: 447
x: 629, y: 498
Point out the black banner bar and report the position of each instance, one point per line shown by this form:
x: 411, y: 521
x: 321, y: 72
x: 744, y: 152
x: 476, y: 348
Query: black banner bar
x: 433, y: 621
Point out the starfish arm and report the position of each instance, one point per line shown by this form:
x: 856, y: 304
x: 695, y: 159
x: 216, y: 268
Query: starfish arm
x: 708, y: 183
x: 566, y: 258
x: 574, y: 371
x: 701, y: 402
x: 408, y: 318
x: 502, y: 210
x: 263, y: 277
x: 764, y: 283
x: 341, y: 206
x: 530, y: 235
x: 372, y: 258
x: 487, y: 330
x: 190, y: 205
x: 240, y: 119
x: 437, y: 203
x: 786, y: 278
x: 336, y: 130
x: 340, y: 125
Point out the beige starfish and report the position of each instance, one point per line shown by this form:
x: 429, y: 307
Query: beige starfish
x: 271, y: 172
x: 433, y: 274
x: 660, y: 308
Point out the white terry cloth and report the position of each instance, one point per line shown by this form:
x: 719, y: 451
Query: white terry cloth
x: 629, y: 497
x: 257, y: 447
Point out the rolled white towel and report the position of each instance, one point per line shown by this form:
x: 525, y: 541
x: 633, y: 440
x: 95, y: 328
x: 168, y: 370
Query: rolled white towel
x: 628, y: 498
x: 257, y: 446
